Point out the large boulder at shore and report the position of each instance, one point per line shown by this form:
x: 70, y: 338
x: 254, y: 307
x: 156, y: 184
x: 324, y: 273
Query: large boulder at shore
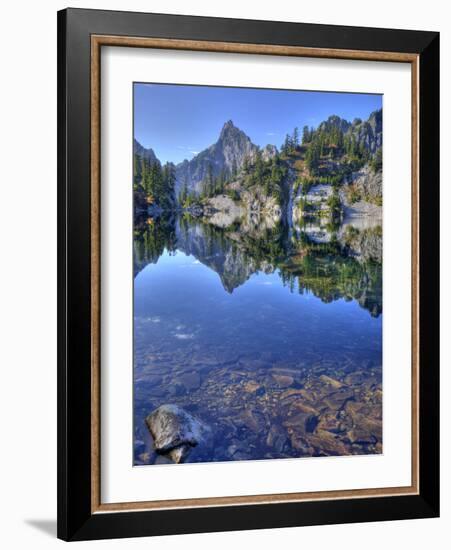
x: 176, y: 432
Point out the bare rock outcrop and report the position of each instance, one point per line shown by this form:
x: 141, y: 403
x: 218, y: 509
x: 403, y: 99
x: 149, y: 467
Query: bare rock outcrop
x: 368, y: 182
x: 176, y: 432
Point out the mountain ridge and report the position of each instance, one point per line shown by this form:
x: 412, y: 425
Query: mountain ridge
x: 332, y: 154
x: 368, y: 132
x: 147, y: 153
x: 224, y: 157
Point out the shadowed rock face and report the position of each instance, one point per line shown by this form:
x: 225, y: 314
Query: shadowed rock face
x: 370, y: 131
x: 147, y: 154
x: 269, y: 152
x: 226, y: 155
x: 369, y: 182
x: 176, y: 432
x: 365, y: 132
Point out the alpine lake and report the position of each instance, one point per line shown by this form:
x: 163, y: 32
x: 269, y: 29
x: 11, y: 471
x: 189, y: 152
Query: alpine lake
x: 269, y: 334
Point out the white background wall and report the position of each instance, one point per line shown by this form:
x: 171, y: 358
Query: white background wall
x: 28, y: 272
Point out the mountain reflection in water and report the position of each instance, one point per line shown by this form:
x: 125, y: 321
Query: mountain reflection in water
x: 270, y: 335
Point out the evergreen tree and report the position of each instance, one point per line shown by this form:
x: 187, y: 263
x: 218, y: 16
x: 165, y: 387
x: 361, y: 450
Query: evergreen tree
x: 275, y: 174
x: 340, y: 138
x: 146, y: 177
x: 209, y: 177
x: 136, y: 168
x: 312, y: 157
x: 376, y: 161
x: 183, y: 194
x: 259, y: 168
x: 286, y: 145
x: 234, y: 170
x: 222, y: 180
x: 295, y: 139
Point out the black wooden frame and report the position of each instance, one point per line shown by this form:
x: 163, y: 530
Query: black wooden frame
x: 75, y: 520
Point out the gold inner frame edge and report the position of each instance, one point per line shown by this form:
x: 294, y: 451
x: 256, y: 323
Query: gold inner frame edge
x: 97, y: 41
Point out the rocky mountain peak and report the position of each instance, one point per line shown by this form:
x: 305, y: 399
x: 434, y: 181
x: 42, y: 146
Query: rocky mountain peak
x: 375, y: 120
x: 228, y: 126
x: 226, y: 156
x: 368, y: 132
x: 335, y: 121
x: 147, y: 154
x: 230, y: 133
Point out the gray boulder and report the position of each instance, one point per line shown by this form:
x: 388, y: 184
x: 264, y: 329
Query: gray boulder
x: 176, y: 432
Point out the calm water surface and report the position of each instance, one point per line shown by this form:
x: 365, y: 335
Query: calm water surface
x: 272, y: 337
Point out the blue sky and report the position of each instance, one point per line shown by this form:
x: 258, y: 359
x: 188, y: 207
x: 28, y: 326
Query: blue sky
x: 179, y: 121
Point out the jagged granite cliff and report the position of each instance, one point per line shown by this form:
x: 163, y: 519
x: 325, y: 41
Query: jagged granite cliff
x: 226, y: 156
x: 368, y: 182
x: 365, y: 132
x: 147, y: 154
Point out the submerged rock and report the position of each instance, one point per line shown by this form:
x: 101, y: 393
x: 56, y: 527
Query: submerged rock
x: 176, y: 432
x: 283, y: 380
x: 277, y: 439
x: 189, y: 380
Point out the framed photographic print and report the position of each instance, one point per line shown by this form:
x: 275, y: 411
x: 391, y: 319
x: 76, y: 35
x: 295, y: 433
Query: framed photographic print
x: 248, y: 274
